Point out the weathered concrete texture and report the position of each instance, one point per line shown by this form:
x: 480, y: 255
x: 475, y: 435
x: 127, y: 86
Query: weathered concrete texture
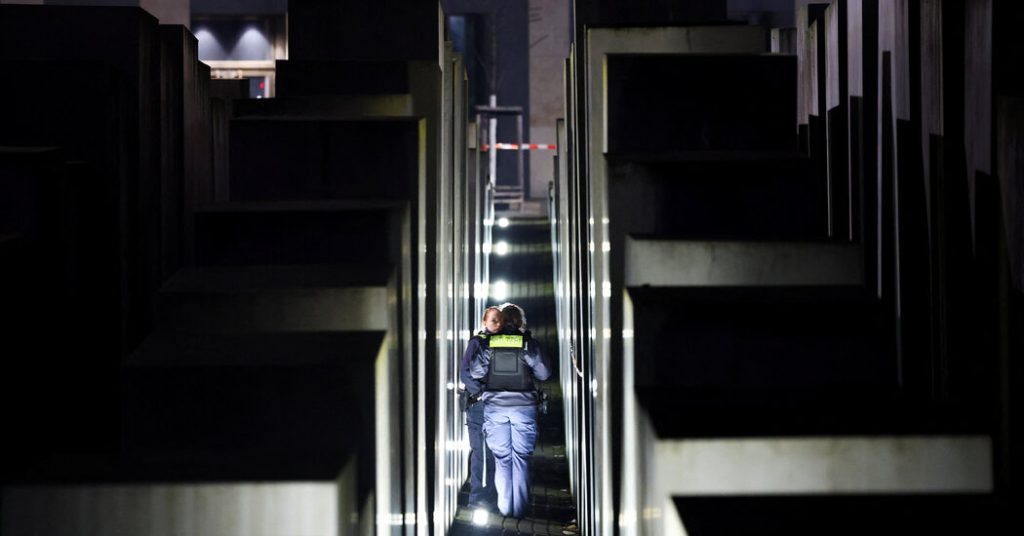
x: 893, y: 37
x: 256, y: 509
x: 802, y: 67
x: 855, y: 48
x: 783, y: 40
x: 812, y: 77
x: 827, y: 465
x: 260, y: 306
x: 903, y: 61
x: 666, y: 263
x: 169, y: 11
x: 833, y: 19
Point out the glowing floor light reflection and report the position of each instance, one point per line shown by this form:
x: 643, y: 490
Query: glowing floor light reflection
x: 501, y: 248
x: 503, y: 222
x: 480, y: 517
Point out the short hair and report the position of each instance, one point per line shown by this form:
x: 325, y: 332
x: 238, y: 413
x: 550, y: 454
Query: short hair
x: 513, y: 314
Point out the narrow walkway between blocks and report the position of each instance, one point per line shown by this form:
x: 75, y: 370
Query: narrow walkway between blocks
x: 526, y: 268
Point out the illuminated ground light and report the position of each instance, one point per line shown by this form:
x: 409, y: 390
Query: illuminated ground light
x: 480, y: 517
x: 503, y: 222
x: 501, y: 248
x: 499, y: 291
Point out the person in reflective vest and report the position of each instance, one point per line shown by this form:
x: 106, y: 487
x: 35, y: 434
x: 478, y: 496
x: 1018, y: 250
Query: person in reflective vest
x: 481, y: 463
x: 509, y: 367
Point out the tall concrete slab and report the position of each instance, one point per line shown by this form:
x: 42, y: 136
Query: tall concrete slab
x: 351, y: 30
x: 126, y: 40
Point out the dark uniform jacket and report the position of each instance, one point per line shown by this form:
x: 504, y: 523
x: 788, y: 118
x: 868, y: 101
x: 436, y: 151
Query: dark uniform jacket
x: 476, y: 345
x: 480, y: 363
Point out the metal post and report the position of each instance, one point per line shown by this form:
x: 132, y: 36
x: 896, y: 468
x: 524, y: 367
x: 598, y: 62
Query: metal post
x: 519, y: 160
x: 492, y: 134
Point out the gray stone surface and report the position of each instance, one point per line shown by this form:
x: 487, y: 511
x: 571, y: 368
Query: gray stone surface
x: 275, y: 299
x: 668, y: 263
x: 199, y: 509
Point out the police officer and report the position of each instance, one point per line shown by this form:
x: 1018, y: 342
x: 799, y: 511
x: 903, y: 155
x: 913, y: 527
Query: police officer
x: 481, y: 488
x: 508, y: 368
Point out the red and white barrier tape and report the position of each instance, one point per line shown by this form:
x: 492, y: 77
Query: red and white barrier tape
x: 523, y: 147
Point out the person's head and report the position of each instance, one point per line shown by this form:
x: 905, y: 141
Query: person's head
x: 493, y: 319
x: 514, y: 315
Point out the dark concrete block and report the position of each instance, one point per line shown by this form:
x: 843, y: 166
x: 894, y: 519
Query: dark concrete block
x: 783, y: 41
x: 297, y: 233
x: 31, y: 183
x: 277, y: 159
x: 220, y: 146
x: 70, y: 243
x: 232, y: 89
x: 34, y: 244
x: 650, y: 12
x: 327, y: 106
x: 778, y: 361
x: 185, y: 157
x: 124, y: 37
x: 298, y: 411
x: 293, y: 158
x: 248, y: 299
x: 88, y: 123
x: 353, y: 30
x: 297, y: 78
x: 841, y: 187
x: 763, y: 338
x: 59, y: 307
x: 117, y: 132
x: 1010, y: 170
x: 1007, y: 54
x: 739, y: 199
x: 843, y: 514
x: 700, y: 103
x: 375, y: 159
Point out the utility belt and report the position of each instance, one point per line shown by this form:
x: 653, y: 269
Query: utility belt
x: 467, y: 400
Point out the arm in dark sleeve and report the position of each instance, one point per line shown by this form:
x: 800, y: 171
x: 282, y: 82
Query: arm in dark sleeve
x: 472, y: 384
x: 536, y: 360
x: 480, y: 364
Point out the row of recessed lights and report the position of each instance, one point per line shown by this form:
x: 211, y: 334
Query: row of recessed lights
x: 499, y: 248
